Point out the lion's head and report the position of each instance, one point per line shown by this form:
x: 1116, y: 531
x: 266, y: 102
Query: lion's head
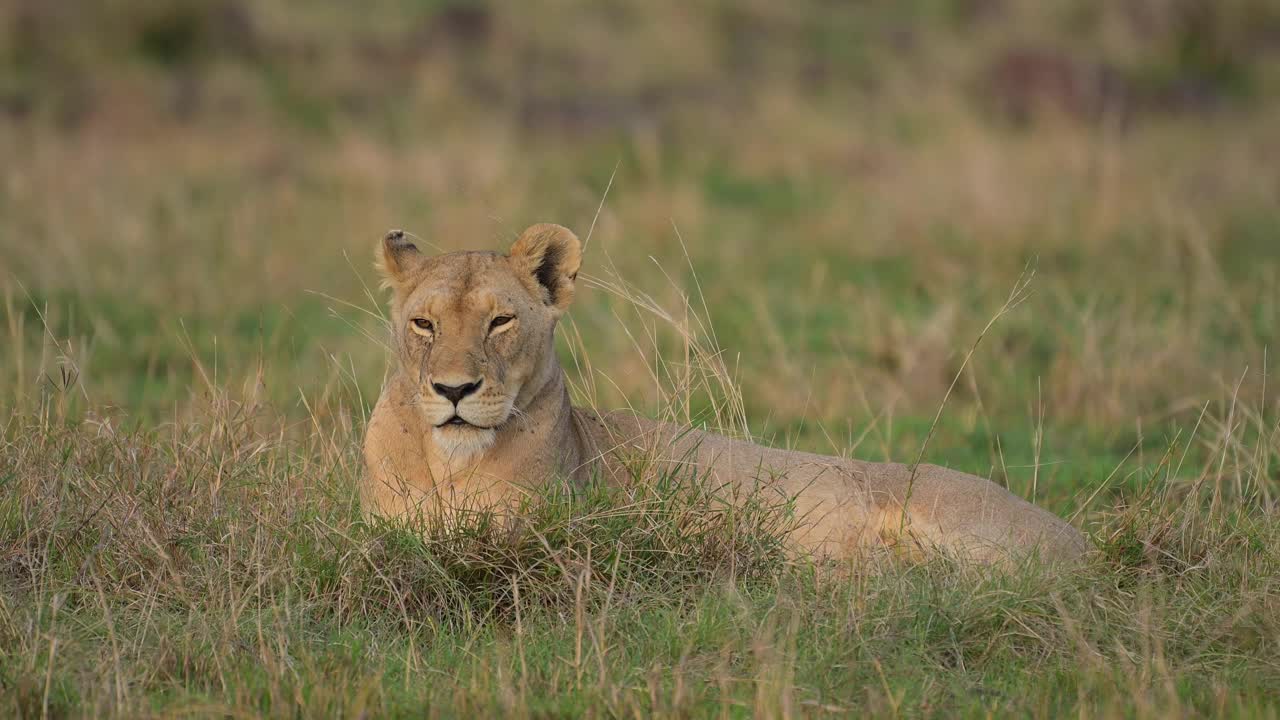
x: 474, y: 331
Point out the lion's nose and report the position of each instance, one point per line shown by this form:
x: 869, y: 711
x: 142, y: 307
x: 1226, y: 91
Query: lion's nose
x: 455, y: 393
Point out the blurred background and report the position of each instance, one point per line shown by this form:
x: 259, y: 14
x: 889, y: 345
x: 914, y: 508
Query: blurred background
x: 844, y: 193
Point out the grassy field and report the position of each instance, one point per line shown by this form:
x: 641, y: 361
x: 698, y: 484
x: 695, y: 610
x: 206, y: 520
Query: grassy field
x: 802, y: 217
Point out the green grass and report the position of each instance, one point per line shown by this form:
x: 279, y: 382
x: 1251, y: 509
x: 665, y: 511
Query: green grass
x: 207, y: 573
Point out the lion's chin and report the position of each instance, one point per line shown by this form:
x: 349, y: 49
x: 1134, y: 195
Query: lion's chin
x: 459, y: 443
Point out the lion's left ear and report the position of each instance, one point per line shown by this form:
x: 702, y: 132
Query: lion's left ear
x: 547, y: 258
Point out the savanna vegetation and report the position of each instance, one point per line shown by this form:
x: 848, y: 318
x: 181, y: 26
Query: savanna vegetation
x: 804, y: 221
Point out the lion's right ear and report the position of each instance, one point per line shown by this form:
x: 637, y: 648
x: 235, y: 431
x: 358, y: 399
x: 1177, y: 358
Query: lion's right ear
x: 398, y: 258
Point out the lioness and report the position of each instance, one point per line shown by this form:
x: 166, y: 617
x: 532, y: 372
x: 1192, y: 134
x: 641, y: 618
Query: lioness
x: 477, y: 412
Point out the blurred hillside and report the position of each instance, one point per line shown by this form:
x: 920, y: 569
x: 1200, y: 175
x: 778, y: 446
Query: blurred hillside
x: 621, y: 65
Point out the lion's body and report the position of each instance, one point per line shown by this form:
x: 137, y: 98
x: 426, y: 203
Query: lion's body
x: 416, y: 457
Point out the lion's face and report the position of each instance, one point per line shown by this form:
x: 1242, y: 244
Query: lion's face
x: 474, y: 331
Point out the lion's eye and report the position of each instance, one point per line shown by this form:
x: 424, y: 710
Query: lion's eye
x: 422, y: 326
x: 500, y: 322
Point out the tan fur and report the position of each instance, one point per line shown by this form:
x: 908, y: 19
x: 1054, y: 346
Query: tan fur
x: 533, y: 435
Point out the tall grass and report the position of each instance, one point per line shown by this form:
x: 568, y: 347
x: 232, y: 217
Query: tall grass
x: 219, y: 564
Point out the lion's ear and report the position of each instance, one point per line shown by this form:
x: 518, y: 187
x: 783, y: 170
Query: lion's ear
x: 398, y: 258
x: 547, y: 258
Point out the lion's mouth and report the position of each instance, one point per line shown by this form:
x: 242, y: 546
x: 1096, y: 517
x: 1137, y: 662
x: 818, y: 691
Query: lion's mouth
x: 457, y: 421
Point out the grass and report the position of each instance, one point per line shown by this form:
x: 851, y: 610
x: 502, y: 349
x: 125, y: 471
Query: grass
x: 803, y: 238
x: 207, y: 570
